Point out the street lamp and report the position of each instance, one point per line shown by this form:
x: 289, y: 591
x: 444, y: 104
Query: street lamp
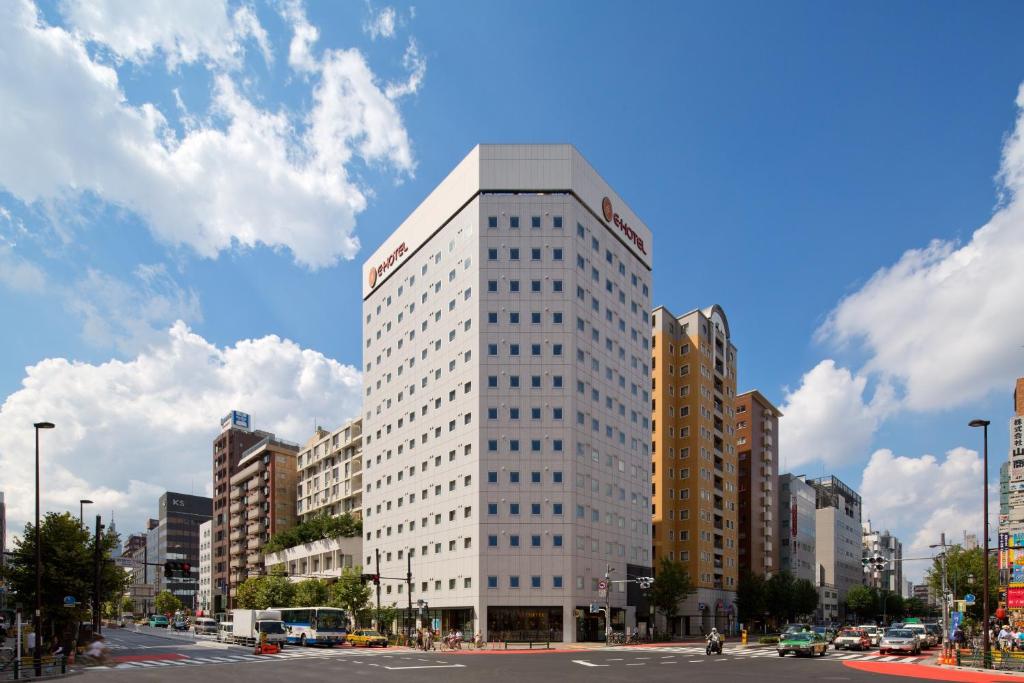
x: 37, y: 655
x: 81, y: 507
x: 984, y: 605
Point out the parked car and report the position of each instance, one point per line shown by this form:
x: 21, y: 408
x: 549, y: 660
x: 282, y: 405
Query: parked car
x: 936, y: 632
x: 225, y: 632
x: 852, y: 639
x: 204, y: 625
x: 900, y: 640
x: 921, y: 633
x: 804, y: 643
x: 158, y: 621
x: 874, y: 633
x: 179, y: 624
x: 367, y: 638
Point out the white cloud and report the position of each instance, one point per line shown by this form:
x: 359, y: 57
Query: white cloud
x: 129, y: 430
x: 921, y: 498
x: 941, y: 322
x: 185, y: 31
x: 67, y: 129
x: 130, y: 316
x: 829, y: 419
x: 304, y: 36
x: 18, y: 273
x: 416, y: 65
x: 381, y: 23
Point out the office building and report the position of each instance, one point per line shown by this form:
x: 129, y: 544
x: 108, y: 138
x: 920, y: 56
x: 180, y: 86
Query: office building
x: 1011, y: 509
x: 262, y: 504
x: 878, y: 543
x: 757, y: 451
x: 694, y: 464
x: 797, y: 526
x: 235, y: 437
x: 925, y: 594
x: 324, y: 559
x: 837, y: 536
x: 205, y: 602
x: 177, y: 539
x: 505, y: 425
x: 330, y: 472
x: 3, y: 550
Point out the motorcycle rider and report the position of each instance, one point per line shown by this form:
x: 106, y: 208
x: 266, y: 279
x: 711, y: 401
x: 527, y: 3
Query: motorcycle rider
x: 714, y: 640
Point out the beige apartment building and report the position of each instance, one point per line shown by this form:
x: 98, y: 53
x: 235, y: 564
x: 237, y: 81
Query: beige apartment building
x: 757, y: 450
x: 262, y: 504
x: 694, y: 464
x: 330, y: 472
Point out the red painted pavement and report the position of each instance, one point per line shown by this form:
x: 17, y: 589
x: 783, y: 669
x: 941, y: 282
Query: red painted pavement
x: 140, y: 658
x: 930, y: 672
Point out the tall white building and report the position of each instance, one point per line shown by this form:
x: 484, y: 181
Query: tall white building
x: 204, y: 599
x: 506, y: 357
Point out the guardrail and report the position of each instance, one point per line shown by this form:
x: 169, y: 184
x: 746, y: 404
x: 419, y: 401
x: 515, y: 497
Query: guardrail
x: 996, y: 659
x: 23, y: 668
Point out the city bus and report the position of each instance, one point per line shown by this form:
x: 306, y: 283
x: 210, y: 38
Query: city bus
x: 315, y: 625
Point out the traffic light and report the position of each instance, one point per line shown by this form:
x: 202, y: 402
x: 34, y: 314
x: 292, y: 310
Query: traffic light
x: 375, y: 578
x: 172, y: 568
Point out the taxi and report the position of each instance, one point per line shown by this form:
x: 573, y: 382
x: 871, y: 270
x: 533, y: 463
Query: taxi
x: 366, y: 638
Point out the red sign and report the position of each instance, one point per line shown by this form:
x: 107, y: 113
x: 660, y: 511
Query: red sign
x: 628, y: 232
x: 1015, y: 598
x: 793, y: 517
x: 386, y: 264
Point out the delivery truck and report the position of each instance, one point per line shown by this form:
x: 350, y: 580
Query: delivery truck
x: 249, y: 624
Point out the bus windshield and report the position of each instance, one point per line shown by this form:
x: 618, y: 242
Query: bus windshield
x: 330, y: 620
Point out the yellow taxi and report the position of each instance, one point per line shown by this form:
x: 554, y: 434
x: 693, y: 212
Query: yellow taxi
x: 366, y: 638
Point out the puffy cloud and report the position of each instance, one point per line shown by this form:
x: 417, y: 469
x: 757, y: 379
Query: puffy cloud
x: 186, y: 31
x: 129, y: 430
x: 66, y: 129
x: 940, y: 321
x: 381, y: 23
x: 304, y: 35
x: 828, y: 417
x: 921, y: 498
x: 416, y: 65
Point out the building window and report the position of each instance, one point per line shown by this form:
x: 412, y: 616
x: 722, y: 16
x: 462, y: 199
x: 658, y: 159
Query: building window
x: 534, y: 582
x: 492, y: 221
x: 513, y: 540
x: 513, y: 221
x: 492, y: 581
x: 513, y: 582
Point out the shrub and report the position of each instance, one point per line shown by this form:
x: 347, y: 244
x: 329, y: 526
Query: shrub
x: 768, y: 640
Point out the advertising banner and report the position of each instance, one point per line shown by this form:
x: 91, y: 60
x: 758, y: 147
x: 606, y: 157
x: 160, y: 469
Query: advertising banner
x: 1015, y: 597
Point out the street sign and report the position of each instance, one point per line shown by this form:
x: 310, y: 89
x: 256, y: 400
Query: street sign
x: 595, y: 608
x: 69, y: 601
x: 970, y: 599
x: 602, y: 585
x: 954, y: 621
x: 126, y: 562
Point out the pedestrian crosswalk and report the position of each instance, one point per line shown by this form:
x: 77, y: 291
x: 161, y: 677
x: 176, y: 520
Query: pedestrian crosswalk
x: 770, y: 652
x: 243, y: 658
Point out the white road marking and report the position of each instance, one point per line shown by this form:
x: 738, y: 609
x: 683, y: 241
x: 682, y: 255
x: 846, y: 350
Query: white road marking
x: 584, y: 662
x: 430, y: 666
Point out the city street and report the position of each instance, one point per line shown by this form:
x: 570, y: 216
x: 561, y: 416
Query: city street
x: 148, y: 655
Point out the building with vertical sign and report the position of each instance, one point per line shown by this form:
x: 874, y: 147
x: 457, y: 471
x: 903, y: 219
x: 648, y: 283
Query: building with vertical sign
x: 757, y: 451
x: 797, y: 525
x: 1011, y: 508
x: 695, y: 469
x: 837, y: 540
x: 506, y: 415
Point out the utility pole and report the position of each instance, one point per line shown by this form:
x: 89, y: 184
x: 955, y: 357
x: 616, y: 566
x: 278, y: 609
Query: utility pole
x: 96, y: 579
x: 378, y: 591
x: 408, y: 582
x: 945, y: 595
x: 607, y: 602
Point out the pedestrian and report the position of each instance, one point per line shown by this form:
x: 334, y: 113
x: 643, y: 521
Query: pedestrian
x: 1003, y: 638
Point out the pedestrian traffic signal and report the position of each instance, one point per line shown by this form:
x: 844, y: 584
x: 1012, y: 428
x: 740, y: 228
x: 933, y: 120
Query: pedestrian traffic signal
x: 177, y: 569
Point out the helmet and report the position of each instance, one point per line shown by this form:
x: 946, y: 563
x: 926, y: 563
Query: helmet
x: 714, y: 630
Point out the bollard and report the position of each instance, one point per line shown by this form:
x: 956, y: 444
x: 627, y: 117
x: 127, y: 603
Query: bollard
x: 743, y: 636
x: 17, y: 667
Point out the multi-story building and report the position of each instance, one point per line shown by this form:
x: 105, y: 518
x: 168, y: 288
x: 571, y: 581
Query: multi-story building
x: 925, y: 594
x: 506, y: 434
x: 1011, y: 508
x: 757, y: 450
x: 330, y: 472
x: 694, y: 464
x: 324, y: 559
x: 235, y: 437
x: 797, y: 527
x: 177, y: 538
x: 262, y: 504
x: 3, y: 549
x: 205, y: 601
x: 878, y: 543
x: 837, y: 537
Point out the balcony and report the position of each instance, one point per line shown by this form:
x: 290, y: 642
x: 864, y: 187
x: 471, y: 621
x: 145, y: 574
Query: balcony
x: 236, y: 507
x: 237, y: 535
x: 236, y: 492
x: 254, y: 544
x: 253, y: 559
x: 236, y: 521
x: 255, y: 528
x: 237, y: 563
x: 257, y: 498
x: 236, y: 549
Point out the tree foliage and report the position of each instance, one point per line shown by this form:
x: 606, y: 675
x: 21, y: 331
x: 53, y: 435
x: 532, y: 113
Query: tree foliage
x: 349, y: 592
x: 751, y: 598
x: 264, y: 592
x: 318, y: 528
x: 68, y: 569
x: 310, y: 593
x: 964, y: 573
x: 671, y: 585
x: 862, y: 601
x: 167, y: 602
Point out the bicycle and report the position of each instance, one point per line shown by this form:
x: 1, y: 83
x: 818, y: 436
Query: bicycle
x: 617, y: 638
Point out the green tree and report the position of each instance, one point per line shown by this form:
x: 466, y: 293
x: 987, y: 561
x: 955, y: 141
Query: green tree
x: 964, y: 571
x: 862, y: 601
x: 167, y: 602
x: 779, y: 596
x: 68, y: 568
x: 671, y: 586
x: 350, y: 593
x: 388, y: 616
x: 805, y: 597
x: 318, y: 528
x: 310, y: 593
x: 265, y: 592
x: 751, y: 598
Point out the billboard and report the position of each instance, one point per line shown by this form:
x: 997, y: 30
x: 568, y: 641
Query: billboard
x: 1015, y: 598
x: 236, y: 420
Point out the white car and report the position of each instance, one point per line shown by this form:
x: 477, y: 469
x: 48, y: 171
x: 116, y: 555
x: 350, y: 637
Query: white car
x: 921, y: 633
x: 874, y: 633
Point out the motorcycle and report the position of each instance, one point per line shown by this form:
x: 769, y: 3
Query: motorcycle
x: 714, y: 645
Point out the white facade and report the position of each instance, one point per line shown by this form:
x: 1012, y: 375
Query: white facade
x: 205, y: 597
x: 320, y: 559
x: 330, y: 472
x: 506, y: 357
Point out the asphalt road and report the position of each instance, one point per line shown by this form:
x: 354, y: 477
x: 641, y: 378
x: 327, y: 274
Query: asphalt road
x: 161, y: 657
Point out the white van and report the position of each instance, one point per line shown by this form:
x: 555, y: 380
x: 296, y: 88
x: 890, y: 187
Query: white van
x: 204, y: 626
x: 224, y: 632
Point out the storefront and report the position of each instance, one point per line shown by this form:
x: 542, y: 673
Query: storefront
x: 590, y: 625
x: 523, y: 624
x: 441, y: 620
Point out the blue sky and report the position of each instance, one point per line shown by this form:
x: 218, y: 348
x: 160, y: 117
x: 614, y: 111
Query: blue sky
x: 789, y: 158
